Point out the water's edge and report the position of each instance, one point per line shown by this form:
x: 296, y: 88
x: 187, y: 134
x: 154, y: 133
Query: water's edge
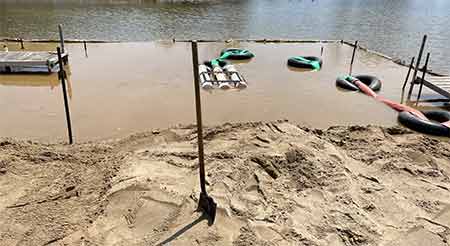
x: 300, y: 41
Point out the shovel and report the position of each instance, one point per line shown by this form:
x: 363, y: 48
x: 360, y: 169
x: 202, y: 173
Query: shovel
x: 206, y: 203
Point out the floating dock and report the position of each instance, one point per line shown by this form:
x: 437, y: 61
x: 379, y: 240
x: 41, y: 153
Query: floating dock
x: 29, y: 62
x: 440, y: 85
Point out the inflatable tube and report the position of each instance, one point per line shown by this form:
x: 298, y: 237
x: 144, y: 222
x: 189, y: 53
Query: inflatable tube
x: 222, y: 63
x: 346, y: 82
x: 431, y: 127
x: 310, y: 62
x: 236, y: 54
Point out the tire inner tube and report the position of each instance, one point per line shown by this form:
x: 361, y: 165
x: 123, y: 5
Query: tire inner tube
x: 346, y: 82
x: 236, y: 54
x: 222, y: 63
x: 431, y: 127
x: 310, y: 62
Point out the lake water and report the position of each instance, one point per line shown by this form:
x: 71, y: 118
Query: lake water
x: 392, y: 27
x: 116, y: 97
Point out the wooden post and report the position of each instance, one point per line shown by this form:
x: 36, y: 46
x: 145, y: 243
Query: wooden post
x: 205, y: 203
x: 85, y: 48
x: 61, y: 39
x: 62, y: 77
x: 423, y: 78
x: 419, y: 58
x: 353, y: 57
x: 21, y: 44
x: 407, y: 77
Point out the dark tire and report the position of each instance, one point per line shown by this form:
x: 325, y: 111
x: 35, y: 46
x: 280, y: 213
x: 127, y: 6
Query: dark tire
x: 293, y: 62
x: 431, y: 127
x: 237, y: 54
x: 371, y: 81
x: 222, y: 63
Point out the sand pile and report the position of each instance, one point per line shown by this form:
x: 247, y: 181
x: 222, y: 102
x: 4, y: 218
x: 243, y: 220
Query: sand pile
x: 275, y: 184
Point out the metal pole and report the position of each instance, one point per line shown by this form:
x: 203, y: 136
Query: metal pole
x: 61, y: 38
x: 419, y: 58
x: 205, y: 203
x: 21, y: 44
x: 407, y: 75
x: 423, y: 78
x: 353, y: 57
x: 62, y: 77
x: 406, y: 79
x: 85, y: 48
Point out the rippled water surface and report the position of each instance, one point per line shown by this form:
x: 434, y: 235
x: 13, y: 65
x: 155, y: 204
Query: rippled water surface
x: 392, y: 27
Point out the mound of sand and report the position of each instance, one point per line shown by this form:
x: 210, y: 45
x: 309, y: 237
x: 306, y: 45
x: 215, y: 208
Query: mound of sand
x: 275, y: 184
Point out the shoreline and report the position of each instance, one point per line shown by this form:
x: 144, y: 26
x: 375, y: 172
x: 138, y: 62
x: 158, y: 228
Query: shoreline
x: 397, y: 61
x: 275, y: 184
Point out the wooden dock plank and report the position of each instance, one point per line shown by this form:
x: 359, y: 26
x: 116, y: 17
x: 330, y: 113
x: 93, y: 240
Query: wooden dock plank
x: 26, y: 57
x: 440, y: 83
x: 443, y: 91
x: 437, y: 79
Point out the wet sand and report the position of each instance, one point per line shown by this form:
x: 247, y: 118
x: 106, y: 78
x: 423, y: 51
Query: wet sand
x: 123, y: 88
x: 275, y: 184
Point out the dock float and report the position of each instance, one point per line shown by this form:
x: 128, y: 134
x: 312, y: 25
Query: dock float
x: 438, y: 84
x: 29, y: 62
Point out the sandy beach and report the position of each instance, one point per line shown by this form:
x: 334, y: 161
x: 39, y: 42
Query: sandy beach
x: 275, y: 184
x: 125, y: 123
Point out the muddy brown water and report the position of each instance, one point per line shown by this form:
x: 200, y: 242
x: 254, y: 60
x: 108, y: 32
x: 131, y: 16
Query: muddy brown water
x: 122, y: 88
x: 392, y: 27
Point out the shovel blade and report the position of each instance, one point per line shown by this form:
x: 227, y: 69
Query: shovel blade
x: 207, y: 205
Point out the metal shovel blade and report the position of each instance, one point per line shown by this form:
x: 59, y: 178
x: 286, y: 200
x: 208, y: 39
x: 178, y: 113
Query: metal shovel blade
x: 207, y: 205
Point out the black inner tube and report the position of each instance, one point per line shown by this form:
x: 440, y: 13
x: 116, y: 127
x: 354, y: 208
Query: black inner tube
x: 346, y: 82
x: 432, y: 126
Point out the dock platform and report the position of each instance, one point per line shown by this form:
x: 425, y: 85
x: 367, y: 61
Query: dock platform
x: 30, y: 61
x: 440, y: 85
